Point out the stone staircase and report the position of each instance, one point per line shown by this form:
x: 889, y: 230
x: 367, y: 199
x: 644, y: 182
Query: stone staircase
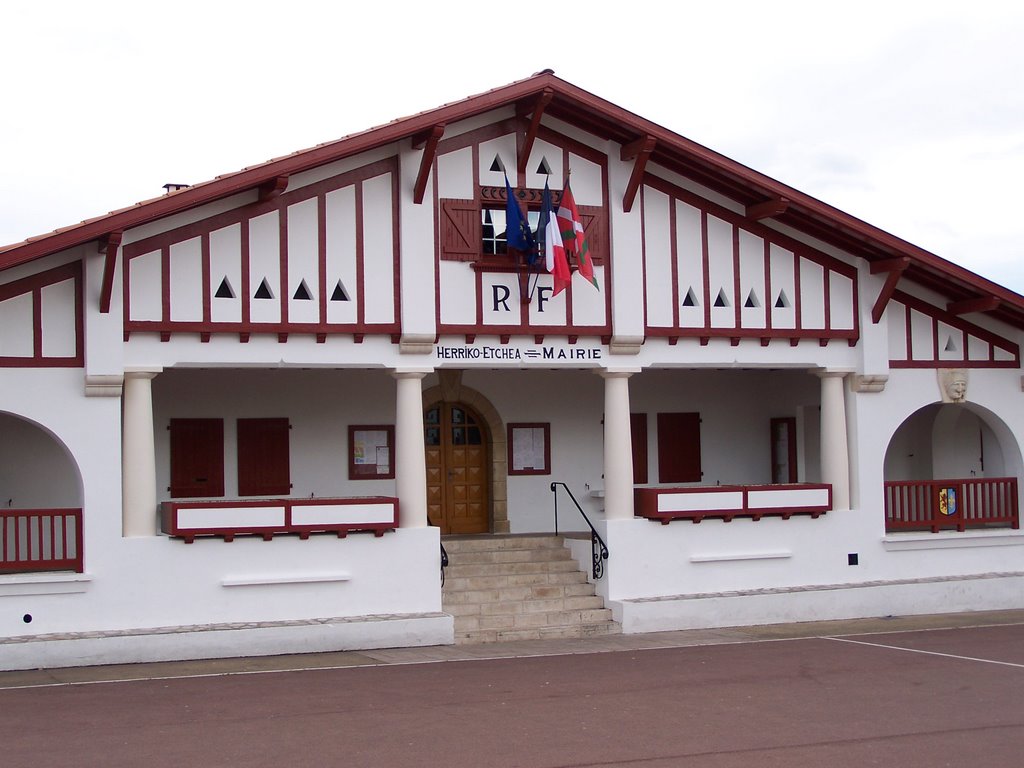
x: 516, y: 587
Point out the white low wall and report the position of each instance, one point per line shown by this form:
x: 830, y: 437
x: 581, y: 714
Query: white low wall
x: 847, y: 601
x: 218, y: 642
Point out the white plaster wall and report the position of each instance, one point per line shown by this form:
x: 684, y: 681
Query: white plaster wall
x: 150, y: 582
x: 16, y: 336
x: 571, y: 402
x: 649, y: 560
x: 416, y: 251
x: 320, y: 406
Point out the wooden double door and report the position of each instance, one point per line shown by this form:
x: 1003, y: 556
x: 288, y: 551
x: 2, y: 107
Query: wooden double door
x: 457, y: 469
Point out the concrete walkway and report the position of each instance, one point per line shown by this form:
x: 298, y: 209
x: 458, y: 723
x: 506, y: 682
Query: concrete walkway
x: 510, y: 650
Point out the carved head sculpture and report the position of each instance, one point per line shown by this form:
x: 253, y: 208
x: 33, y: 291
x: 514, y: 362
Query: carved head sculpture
x: 953, y: 385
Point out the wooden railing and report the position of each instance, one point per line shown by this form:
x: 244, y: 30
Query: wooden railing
x: 915, y: 505
x: 40, y: 540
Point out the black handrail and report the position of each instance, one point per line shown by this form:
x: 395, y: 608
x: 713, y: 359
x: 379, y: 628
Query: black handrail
x: 597, y: 545
x: 444, y: 554
x: 444, y: 562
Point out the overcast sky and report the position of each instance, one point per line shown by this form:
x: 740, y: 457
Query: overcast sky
x: 909, y: 115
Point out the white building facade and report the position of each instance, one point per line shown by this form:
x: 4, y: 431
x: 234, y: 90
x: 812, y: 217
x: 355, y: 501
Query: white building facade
x: 238, y: 418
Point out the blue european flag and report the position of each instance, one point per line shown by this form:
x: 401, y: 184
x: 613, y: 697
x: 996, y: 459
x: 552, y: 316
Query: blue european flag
x: 517, y: 231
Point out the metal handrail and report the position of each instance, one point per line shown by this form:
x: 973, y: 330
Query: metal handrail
x: 444, y: 553
x: 598, y: 548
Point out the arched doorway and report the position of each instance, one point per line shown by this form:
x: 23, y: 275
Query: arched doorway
x: 40, y: 500
x: 457, y: 468
x: 952, y: 465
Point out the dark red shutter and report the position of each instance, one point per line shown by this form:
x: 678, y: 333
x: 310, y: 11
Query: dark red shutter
x: 460, y: 230
x: 638, y: 432
x: 197, y: 458
x: 264, y: 467
x: 679, y: 448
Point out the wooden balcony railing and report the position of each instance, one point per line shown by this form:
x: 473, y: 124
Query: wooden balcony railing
x: 228, y: 518
x: 916, y: 505
x: 40, y: 540
x: 726, y: 502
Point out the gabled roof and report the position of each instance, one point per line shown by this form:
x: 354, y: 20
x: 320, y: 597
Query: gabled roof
x: 760, y: 194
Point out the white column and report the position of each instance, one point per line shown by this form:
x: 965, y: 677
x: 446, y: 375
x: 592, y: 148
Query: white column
x: 138, y: 456
x: 410, y: 455
x: 835, y: 457
x: 618, y: 447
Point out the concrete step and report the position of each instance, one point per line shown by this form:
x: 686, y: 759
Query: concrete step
x: 492, y: 543
x: 544, y: 633
x: 455, y: 583
x: 516, y: 555
x: 517, y: 588
x: 461, y: 570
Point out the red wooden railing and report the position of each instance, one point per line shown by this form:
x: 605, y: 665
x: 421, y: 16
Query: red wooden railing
x: 937, y: 504
x: 40, y: 540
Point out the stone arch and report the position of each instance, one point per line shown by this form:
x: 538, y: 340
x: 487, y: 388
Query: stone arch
x: 931, y: 442
x: 37, y: 470
x: 451, y: 390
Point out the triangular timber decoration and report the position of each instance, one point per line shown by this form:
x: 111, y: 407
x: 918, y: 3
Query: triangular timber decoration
x: 263, y: 292
x: 339, y: 293
x: 224, y: 290
x: 690, y: 300
x: 497, y: 165
x: 544, y: 168
x: 950, y: 345
x: 302, y: 292
x: 722, y: 300
x: 782, y: 302
x: 752, y: 300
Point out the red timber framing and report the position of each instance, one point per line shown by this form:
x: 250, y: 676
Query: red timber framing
x: 607, y: 122
x: 961, y: 332
x: 272, y: 200
x: 33, y: 286
x: 735, y: 295
x: 40, y: 540
x: 459, y: 238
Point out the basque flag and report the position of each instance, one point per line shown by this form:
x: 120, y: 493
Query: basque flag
x: 554, y: 250
x: 575, y: 242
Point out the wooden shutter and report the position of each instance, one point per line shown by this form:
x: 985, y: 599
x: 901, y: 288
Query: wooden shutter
x: 460, y: 230
x: 263, y: 460
x: 595, y: 229
x: 679, y: 448
x: 197, y: 457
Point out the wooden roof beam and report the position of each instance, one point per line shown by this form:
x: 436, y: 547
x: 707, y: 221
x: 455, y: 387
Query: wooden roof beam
x: 271, y: 189
x: 524, y: 144
x: 428, y: 141
x: 776, y: 206
x: 894, y: 269
x: 108, y: 246
x: 639, y: 152
x: 977, y: 304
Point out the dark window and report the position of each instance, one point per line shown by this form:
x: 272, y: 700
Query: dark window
x: 197, y: 458
x: 679, y: 448
x: 263, y: 459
